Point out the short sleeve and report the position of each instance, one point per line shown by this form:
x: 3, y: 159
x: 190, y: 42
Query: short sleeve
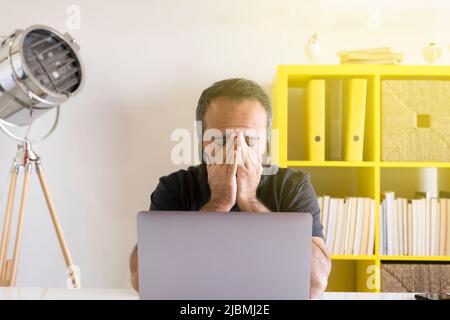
x: 301, y: 197
x: 165, y: 196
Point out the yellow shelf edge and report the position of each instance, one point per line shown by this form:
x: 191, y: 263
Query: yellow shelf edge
x: 406, y: 164
x: 365, y: 70
x: 306, y: 163
x: 352, y: 257
x: 415, y: 258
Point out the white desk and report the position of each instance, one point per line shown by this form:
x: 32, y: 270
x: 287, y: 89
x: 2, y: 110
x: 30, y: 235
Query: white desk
x: 125, y: 294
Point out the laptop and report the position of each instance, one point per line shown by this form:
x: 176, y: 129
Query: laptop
x: 188, y: 255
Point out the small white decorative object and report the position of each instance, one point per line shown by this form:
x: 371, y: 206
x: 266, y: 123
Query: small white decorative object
x: 313, y: 49
x: 431, y: 53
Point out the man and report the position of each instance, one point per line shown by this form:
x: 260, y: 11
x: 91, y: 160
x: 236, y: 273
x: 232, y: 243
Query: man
x: 235, y: 114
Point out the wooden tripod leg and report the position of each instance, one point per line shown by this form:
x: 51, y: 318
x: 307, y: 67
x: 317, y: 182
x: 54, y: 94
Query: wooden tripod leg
x: 58, y: 229
x: 7, y: 224
x: 13, y: 268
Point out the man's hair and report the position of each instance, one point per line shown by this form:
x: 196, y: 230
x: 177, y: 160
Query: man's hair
x: 235, y: 89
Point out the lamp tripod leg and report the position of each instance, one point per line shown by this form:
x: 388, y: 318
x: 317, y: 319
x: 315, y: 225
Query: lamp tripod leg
x: 57, y: 226
x: 12, y: 271
x: 4, y: 244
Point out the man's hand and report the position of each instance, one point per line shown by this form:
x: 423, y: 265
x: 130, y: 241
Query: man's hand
x: 249, y: 172
x: 223, y: 186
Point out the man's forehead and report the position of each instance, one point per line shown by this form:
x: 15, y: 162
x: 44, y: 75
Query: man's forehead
x: 228, y: 114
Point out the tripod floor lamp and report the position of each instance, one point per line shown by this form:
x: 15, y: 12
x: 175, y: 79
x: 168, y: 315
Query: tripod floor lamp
x: 39, y: 69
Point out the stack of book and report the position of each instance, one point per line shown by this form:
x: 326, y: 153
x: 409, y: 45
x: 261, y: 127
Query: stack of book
x: 382, y: 55
x: 417, y: 227
x: 334, y: 125
x: 348, y: 224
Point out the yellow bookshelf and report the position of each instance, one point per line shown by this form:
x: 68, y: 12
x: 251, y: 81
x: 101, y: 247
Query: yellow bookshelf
x: 366, y: 178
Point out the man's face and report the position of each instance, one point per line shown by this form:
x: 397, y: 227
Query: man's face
x: 225, y: 118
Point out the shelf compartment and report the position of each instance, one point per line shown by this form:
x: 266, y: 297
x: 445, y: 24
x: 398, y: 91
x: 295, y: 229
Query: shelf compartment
x: 405, y: 181
x: 342, y: 182
x: 354, y: 275
x: 295, y: 114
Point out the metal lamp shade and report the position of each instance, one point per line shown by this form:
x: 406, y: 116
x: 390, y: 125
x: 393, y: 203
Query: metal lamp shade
x: 39, y: 69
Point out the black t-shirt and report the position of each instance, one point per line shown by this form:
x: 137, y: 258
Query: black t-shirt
x: 287, y: 190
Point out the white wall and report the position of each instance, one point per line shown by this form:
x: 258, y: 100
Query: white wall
x: 146, y: 64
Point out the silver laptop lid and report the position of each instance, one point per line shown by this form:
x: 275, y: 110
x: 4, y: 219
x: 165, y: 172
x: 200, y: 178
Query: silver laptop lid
x: 238, y: 255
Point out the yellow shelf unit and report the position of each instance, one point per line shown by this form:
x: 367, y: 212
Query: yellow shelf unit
x: 365, y: 178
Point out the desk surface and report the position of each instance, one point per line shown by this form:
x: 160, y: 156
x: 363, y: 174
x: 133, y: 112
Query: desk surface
x: 128, y: 294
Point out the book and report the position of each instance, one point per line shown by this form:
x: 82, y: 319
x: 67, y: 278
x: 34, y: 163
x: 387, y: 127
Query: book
x: 355, y: 119
x: 410, y: 230
x: 340, y: 232
x: 415, y: 223
x: 434, y: 236
x: 358, y: 226
x: 382, y: 55
x: 373, y: 56
x: 384, y: 61
x: 325, y: 204
x: 368, y: 50
x: 371, y: 235
x: 363, y: 249
x: 427, y: 239
x: 405, y: 226
x: 389, y: 218
x: 447, y: 232
x: 400, y: 224
x: 443, y: 226
x: 351, y: 223
x: 382, y: 239
x: 315, y: 119
x: 331, y: 230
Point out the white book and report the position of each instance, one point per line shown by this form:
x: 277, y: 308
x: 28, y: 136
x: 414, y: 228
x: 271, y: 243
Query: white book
x: 385, y: 229
x: 422, y: 226
x: 434, y: 237
x: 443, y: 224
x: 349, y: 208
x: 405, y: 226
x: 370, y: 247
x: 326, y: 205
x: 415, y: 227
x: 358, y: 226
x: 443, y: 207
x: 428, y: 227
x: 447, y: 233
x: 333, y: 227
x: 331, y: 231
x: 410, y: 230
x: 399, y: 214
x: 341, y: 226
x: 381, y: 240
x: 352, y: 226
x: 389, y: 209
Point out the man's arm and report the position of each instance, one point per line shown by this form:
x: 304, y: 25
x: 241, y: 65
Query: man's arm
x: 320, y: 267
x: 134, y: 269
x: 301, y: 197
